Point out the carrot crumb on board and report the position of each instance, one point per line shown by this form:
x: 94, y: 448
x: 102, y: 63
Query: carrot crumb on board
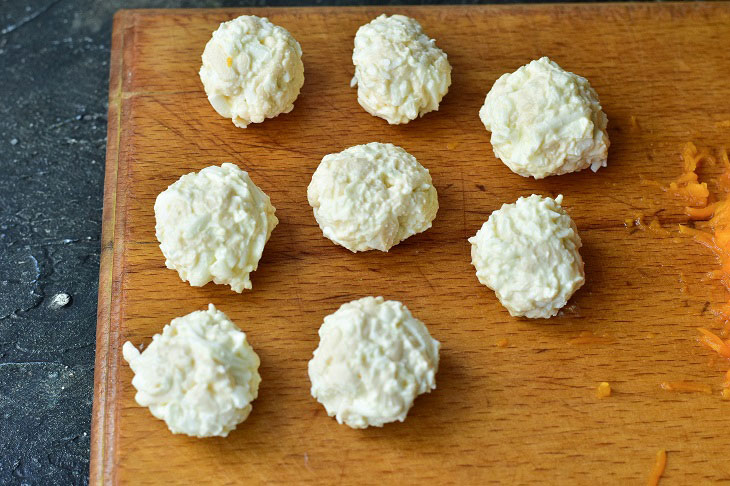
x: 659, y: 465
x: 603, y: 390
x: 588, y: 337
x: 635, y: 123
x: 686, y: 387
x: 654, y: 226
x: 503, y: 343
x: 725, y: 393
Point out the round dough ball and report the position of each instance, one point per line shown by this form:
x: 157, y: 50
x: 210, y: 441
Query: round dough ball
x: 212, y: 225
x: 545, y: 121
x: 527, y: 252
x: 372, y: 196
x: 199, y: 376
x: 399, y: 72
x: 252, y: 70
x: 374, y: 358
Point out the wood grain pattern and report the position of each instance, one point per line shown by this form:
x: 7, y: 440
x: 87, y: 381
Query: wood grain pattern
x: 521, y: 414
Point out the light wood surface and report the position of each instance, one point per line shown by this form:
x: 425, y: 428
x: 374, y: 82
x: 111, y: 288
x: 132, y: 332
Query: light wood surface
x: 522, y: 414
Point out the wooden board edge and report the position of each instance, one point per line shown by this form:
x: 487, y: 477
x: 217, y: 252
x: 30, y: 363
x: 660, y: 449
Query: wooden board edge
x: 102, y: 426
x: 392, y: 9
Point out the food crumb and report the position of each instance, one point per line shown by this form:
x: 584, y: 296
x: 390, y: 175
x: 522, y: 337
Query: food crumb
x: 61, y: 299
x: 635, y: 123
x: 723, y: 124
x: 229, y: 61
x: 683, y: 284
x: 603, y: 390
x: 658, y: 469
x: 588, y: 337
x: 656, y: 227
x: 503, y: 343
x: 686, y: 387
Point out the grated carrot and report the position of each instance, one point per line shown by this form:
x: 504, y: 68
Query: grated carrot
x: 658, y: 469
x: 701, y: 213
x: 656, y: 227
x: 635, y: 123
x: 587, y: 337
x: 702, y: 237
x: 714, y: 342
x: 603, y: 390
x: 503, y: 343
x: 717, y: 238
x: 686, y: 387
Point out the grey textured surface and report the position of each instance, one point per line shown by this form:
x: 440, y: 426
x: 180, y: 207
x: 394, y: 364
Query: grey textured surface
x: 54, y: 57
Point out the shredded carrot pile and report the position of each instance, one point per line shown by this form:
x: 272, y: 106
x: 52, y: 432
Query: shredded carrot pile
x: 716, y: 236
x: 687, y: 387
x: 603, y: 390
x: 658, y: 469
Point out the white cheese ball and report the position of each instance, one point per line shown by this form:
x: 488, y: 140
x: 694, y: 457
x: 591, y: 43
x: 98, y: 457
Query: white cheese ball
x: 252, y: 70
x: 199, y: 376
x: 399, y: 72
x: 212, y: 225
x: 374, y: 358
x: 527, y: 252
x: 546, y: 121
x: 372, y: 196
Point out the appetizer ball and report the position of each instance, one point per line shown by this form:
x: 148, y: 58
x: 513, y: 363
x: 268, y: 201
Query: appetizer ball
x: 399, y: 72
x: 199, y: 376
x: 545, y: 121
x: 372, y: 196
x: 252, y: 70
x: 212, y: 225
x: 374, y: 358
x: 527, y: 252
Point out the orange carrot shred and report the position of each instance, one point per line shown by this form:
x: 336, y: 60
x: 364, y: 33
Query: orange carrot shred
x: 658, y: 469
x: 686, y: 387
x: 714, y: 342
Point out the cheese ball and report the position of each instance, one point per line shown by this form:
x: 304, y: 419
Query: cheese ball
x: 527, y: 252
x: 400, y: 74
x: 252, y: 70
x: 374, y: 358
x: 372, y: 196
x: 212, y: 225
x: 545, y: 121
x: 199, y: 376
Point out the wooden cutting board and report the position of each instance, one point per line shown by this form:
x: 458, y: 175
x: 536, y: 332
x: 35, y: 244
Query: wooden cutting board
x: 520, y: 414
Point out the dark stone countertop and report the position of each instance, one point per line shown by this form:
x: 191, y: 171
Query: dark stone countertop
x: 54, y: 63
